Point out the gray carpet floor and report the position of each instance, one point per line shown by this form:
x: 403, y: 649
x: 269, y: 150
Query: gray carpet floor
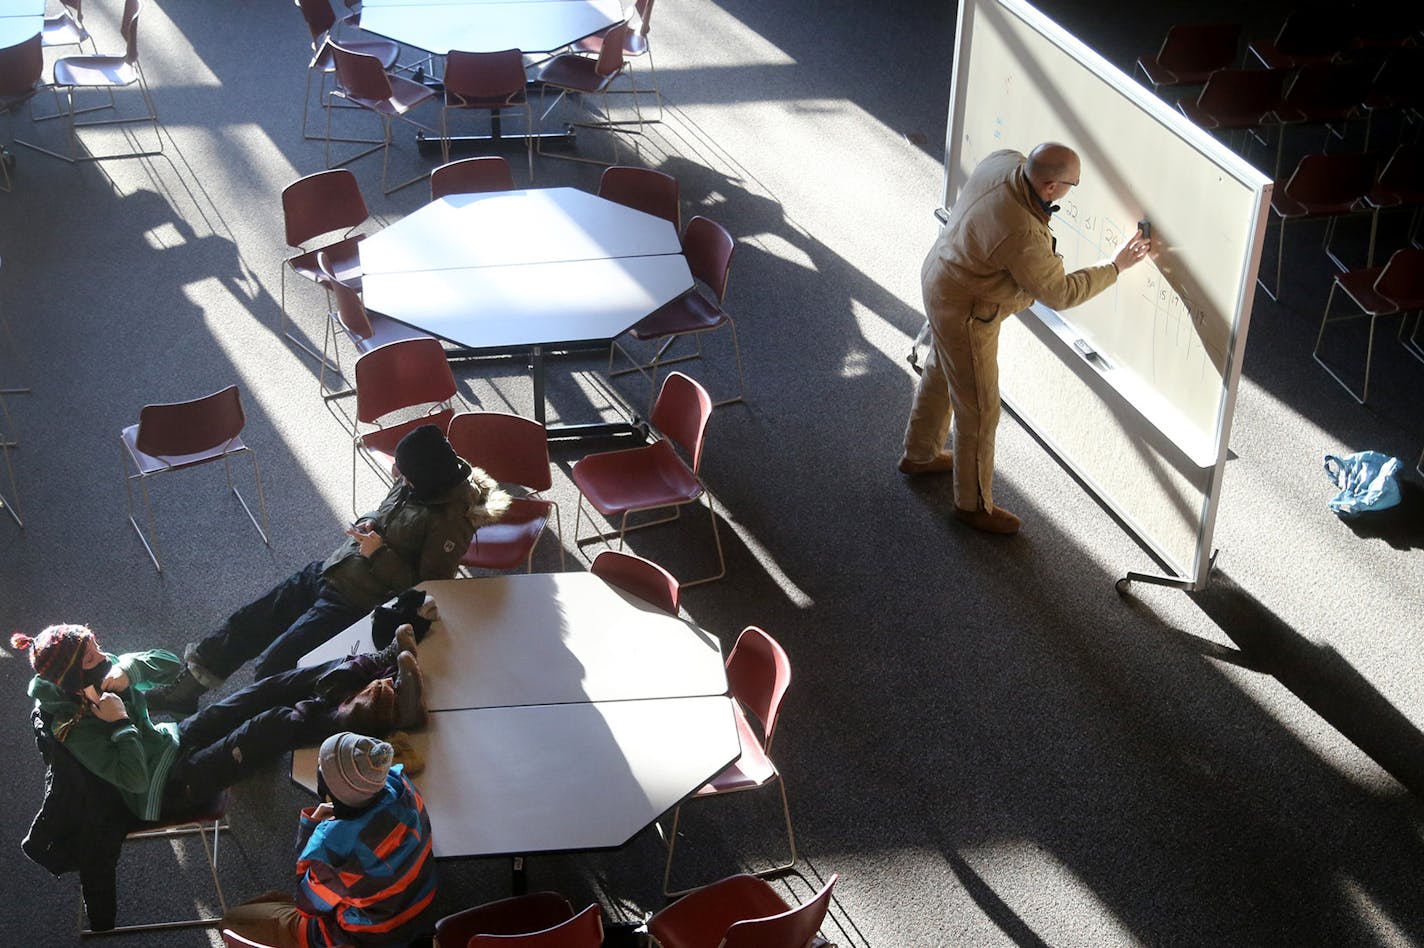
x: 986, y: 741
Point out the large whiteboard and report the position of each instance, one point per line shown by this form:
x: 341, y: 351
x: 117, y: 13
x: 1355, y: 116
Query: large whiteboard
x: 1134, y: 390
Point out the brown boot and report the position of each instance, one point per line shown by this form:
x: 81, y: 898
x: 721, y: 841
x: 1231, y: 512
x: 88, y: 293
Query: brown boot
x: 403, y: 642
x: 410, y: 696
x: 997, y: 520
x: 942, y: 463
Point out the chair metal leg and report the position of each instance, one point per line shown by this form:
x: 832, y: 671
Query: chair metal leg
x: 151, y: 550
x: 210, y: 853
x: 74, y: 157
x: 759, y: 873
x: 1411, y: 343
x: 1364, y: 392
x: 7, y: 504
x: 261, y: 498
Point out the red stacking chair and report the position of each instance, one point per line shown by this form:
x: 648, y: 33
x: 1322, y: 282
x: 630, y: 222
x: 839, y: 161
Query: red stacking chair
x: 1395, y: 289
x: 1400, y: 185
x: 514, y: 451
x: 318, y: 205
x: 107, y: 72
x: 1322, y: 186
x: 534, y: 911
x: 635, y: 44
x: 363, y: 81
x: 21, y: 68
x: 758, y: 674
x: 708, y: 248
x: 585, y: 77
x: 471, y: 176
x: 364, y: 329
x: 639, y: 577
x: 1306, y: 36
x: 320, y: 20
x: 492, y: 82
x: 740, y: 912
x: 584, y: 930
x: 171, y: 437
x: 1237, y: 100
x: 620, y: 483
x: 402, y: 375
x: 1190, y: 53
x: 643, y: 189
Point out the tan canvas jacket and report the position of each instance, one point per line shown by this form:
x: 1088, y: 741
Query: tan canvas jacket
x: 996, y: 252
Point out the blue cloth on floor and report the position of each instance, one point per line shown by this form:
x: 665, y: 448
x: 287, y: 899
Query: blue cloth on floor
x: 1368, y: 480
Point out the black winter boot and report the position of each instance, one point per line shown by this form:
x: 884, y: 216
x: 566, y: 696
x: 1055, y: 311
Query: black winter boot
x: 179, y: 697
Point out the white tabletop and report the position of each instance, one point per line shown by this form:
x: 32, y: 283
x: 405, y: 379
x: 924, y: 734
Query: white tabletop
x: 539, y: 225
x: 542, y: 303
x: 21, y: 8
x: 548, y: 638
x: 490, y: 25
x: 558, y: 778
x: 523, y: 268
x: 14, y: 30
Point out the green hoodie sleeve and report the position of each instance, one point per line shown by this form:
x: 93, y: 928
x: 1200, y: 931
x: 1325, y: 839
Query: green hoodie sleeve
x: 112, y: 751
x: 149, y: 669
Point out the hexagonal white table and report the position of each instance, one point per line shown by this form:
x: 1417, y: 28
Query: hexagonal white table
x: 548, y: 638
x: 478, y: 26
x: 525, y: 269
x: 566, y: 715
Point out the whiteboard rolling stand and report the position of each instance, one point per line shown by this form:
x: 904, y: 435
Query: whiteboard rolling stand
x: 1132, y: 392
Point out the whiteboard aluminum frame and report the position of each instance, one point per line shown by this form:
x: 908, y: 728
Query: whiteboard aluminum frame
x: 1195, y: 575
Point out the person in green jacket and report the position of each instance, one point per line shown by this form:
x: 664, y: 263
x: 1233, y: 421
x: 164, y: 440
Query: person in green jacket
x: 96, y: 707
x: 421, y: 531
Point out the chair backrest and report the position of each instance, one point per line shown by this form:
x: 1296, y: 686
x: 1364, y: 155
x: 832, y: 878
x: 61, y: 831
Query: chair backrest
x: 531, y: 912
x: 1324, y: 91
x: 320, y: 17
x: 233, y: 940
x: 1402, y: 279
x: 361, y: 76
x: 644, y: 9
x: 708, y: 248
x: 402, y: 375
x: 1403, y: 174
x: 510, y: 448
x: 1310, y: 33
x: 1193, y: 48
x: 610, y: 54
x: 21, y: 67
x: 128, y: 29
x: 643, y: 189
x: 179, y: 428
x: 681, y: 414
x: 349, y: 308
x: 584, y: 930
x: 321, y: 203
x: 639, y: 577
x: 484, y: 77
x: 791, y: 929
x: 1250, y: 94
x: 1330, y: 183
x: 471, y: 176
x: 758, y: 674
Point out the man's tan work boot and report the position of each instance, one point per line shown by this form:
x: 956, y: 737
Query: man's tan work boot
x: 942, y: 463
x: 997, y: 520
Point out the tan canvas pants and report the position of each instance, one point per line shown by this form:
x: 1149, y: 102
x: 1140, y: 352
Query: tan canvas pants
x: 960, y: 389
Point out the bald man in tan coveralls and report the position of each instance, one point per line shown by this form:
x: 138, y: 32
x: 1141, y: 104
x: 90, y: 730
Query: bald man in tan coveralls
x: 993, y: 258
